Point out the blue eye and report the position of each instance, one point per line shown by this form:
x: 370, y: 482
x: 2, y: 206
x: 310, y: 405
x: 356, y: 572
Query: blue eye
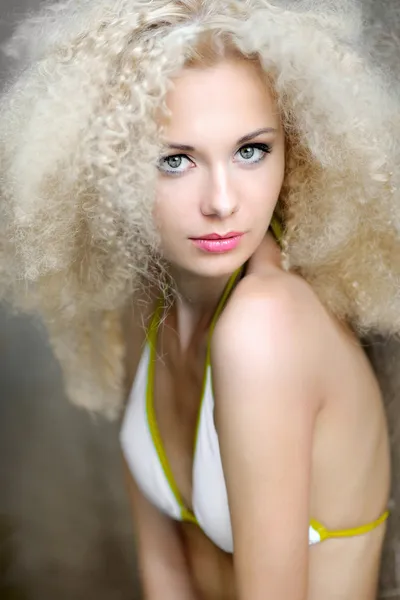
x: 176, y: 163
x: 253, y: 153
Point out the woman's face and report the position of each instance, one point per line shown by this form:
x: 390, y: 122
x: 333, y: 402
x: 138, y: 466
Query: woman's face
x: 222, y: 168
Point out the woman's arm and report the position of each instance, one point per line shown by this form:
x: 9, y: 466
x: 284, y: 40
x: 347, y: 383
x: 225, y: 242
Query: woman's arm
x: 265, y: 358
x: 162, y: 564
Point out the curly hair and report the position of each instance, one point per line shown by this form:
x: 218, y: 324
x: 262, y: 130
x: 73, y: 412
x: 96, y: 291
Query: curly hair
x: 79, y: 142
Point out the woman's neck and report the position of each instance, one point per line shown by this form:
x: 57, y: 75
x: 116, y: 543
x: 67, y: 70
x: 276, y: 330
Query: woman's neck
x: 196, y: 302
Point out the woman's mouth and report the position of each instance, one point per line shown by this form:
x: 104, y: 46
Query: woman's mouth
x: 218, y: 243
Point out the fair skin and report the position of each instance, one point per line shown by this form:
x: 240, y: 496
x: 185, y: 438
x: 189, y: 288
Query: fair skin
x: 298, y: 412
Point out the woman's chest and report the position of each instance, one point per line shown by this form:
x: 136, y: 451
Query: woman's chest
x: 170, y: 441
x: 177, y: 402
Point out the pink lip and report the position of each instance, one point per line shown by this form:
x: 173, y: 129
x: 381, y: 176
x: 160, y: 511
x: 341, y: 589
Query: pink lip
x: 218, y: 244
x: 217, y: 236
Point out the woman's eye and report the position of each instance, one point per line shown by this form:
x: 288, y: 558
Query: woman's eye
x: 253, y: 153
x: 177, y: 163
x: 247, y: 152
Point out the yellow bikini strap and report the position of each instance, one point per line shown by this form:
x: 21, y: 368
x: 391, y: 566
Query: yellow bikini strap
x: 326, y: 534
x: 277, y: 229
x: 151, y: 334
x: 225, y: 295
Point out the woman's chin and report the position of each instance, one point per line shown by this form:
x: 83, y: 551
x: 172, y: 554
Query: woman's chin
x: 213, y: 266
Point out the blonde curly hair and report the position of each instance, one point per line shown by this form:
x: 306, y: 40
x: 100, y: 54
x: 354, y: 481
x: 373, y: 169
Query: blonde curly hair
x: 79, y: 141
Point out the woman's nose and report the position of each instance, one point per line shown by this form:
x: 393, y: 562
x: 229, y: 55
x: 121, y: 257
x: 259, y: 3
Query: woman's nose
x: 221, y: 198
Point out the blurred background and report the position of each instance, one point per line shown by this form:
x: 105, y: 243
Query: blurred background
x: 65, y: 530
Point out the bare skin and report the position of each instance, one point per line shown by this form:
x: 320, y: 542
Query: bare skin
x: 298, y: 411
x: 350, y: 480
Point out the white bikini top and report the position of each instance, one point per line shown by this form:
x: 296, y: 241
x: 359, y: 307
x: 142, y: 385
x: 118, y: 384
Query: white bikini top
x: 145, y: 455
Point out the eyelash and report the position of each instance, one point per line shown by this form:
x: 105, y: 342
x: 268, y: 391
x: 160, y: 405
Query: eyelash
x: 265, y: 148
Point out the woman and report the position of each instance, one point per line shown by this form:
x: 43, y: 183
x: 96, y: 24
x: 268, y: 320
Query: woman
x: 158, y: 143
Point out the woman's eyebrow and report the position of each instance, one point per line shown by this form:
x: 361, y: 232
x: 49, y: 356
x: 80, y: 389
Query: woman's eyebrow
x: 256, y: 133
x: 183, y: 147
x: 242, y: 140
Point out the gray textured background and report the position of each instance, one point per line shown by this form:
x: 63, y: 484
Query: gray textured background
x: 65, y: 531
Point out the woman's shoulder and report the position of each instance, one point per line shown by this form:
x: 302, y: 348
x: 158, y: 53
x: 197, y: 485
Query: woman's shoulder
x: 270, y: 334
x: 276, y: 313
x: 269, y: 292
x: 271, y: 295
x: 268, y: 286
x: 274, y: 316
